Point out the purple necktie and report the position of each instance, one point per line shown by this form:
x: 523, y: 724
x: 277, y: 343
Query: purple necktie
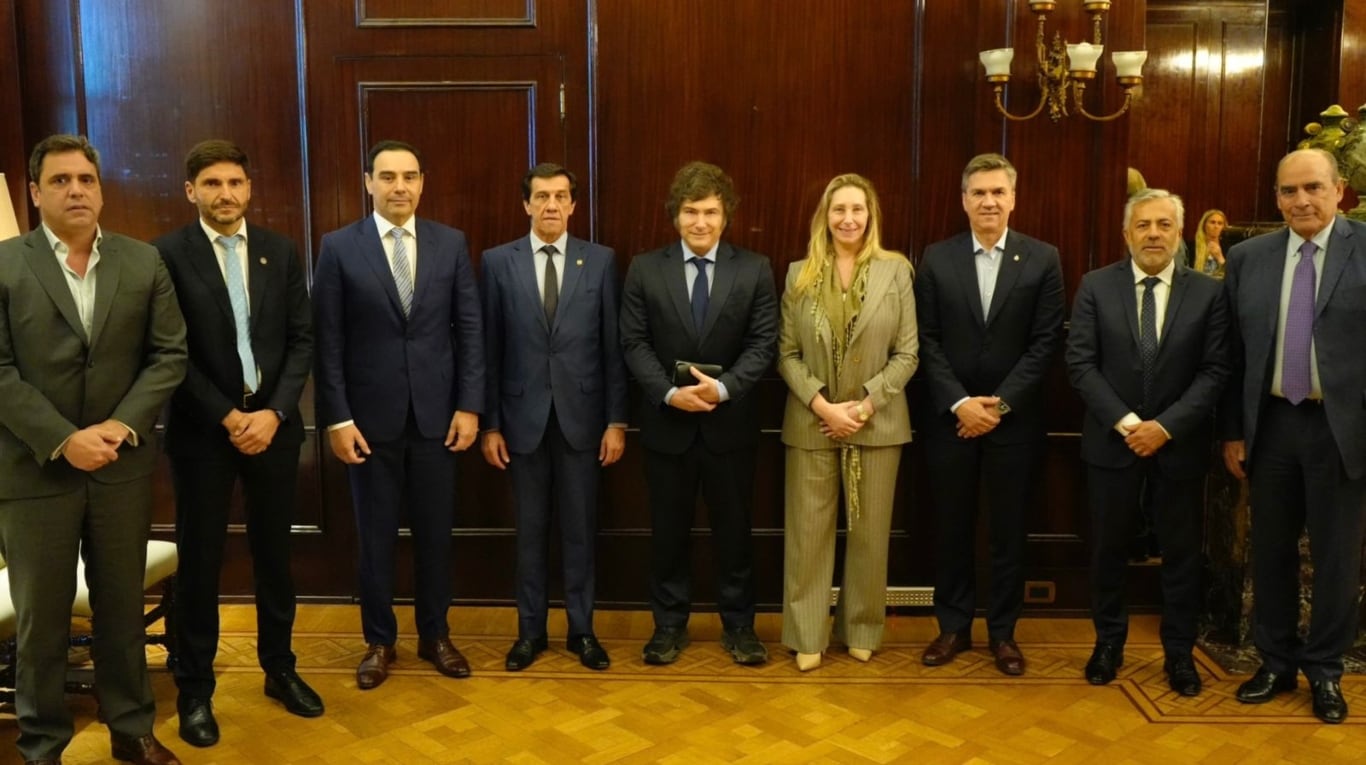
x: 1299, y: 328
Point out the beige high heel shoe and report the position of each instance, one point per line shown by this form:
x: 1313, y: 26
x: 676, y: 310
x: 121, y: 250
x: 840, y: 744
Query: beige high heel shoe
x: 861, y: 654
x: 808, y: 661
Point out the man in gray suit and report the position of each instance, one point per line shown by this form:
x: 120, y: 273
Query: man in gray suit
x: 1293, y: 422
x: 556, y: 402
x: 92, y: 344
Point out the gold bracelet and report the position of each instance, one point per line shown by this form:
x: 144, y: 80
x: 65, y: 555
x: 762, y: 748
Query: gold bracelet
x: 862, y: 413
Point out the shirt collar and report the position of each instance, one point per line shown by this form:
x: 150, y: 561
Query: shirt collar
x: 1165, y: 275
x: 213, y: 235
x: 385, y: 228
x: 561, y: 244
x: 59, y: 246
x: 1320, y: 239
x: 688, y: 254
x: 1000, y: 245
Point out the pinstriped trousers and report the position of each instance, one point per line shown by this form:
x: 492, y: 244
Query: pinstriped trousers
x: 813, y: 483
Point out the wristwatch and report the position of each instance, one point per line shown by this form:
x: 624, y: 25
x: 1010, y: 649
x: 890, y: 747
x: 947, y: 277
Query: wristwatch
x: 280, y: 414
x: 1002, y: 407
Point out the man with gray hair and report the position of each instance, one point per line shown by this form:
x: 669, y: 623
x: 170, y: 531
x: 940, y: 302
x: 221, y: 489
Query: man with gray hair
x: 1148, y: 355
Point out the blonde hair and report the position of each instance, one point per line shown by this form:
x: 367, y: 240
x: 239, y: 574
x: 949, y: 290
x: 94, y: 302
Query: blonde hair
x: 820, y: 249
x: 1201, y: 243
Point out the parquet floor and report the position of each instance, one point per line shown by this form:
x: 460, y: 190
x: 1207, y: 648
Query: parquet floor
x: 705, y: 709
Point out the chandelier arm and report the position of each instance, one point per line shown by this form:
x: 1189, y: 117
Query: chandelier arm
x: 1001, y: 107
x: 1081, y: 109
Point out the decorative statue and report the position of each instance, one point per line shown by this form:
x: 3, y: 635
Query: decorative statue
x: 1345, y: 138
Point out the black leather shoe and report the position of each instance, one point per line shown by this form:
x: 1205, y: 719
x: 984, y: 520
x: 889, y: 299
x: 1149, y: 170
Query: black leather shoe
x: 286, y: 687
x: 1329, y: 705
x: 144, y: 750
x: 1264, y: 686
x: 1105, y: 661
x: 665, y: 645
x: 744, y: 646
x: 590, y: 652
x: 1182, y: 675
x: 523, y: 653
x: 197, y: 726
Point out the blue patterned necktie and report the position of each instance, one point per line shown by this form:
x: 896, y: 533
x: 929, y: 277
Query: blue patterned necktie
x: 403, y: 278
x: 237, y: 295
x: 1299, y: 328
x: 1147, y: 335
x: 700, y: 294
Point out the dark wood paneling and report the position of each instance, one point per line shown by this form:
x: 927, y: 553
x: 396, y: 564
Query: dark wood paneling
x: 446, y: 13
x: 1352, y: 65
x: 13, y: 152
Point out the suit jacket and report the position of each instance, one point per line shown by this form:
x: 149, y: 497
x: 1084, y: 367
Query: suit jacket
x: 1106, y: 366
x: 281, y: 336
x: 740, y: 333
x: 1252, y: 281
x: 1006, y: 354
x: 373, y: 363
x: 575, y: 364
x: 55, y: 380
x: 878, y: 362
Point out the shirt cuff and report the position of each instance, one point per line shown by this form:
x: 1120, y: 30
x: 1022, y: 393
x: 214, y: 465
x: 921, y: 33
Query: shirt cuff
x: 954, y: 409
x: 340, y: 425
x: 132, y: 434
x: 1127, y: 423
x: 621, y: 425
x: 669, y: 394
x: 721, y: 392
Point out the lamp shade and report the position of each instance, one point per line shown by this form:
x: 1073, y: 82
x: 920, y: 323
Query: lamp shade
x: 1129, y: 63
x: 1082, y: 57
x: 9, y: 224
x: 997, y: 62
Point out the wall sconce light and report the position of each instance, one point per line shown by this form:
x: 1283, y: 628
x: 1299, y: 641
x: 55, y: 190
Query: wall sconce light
x: 1062, y: 64
x: 9, y: 224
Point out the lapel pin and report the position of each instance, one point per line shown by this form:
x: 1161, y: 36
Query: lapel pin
x: 1017, y: 258
x: 578, y: 262
x: 263, y: 261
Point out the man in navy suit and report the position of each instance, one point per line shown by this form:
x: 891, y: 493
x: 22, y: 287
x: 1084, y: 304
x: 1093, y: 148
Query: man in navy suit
x: 989, y: 302
x: 1294, y: 422
x: 706, y: 302
x: 236, y: 416
x: 400, y: 384
x: 1148, y: 354
x: 556, y: 402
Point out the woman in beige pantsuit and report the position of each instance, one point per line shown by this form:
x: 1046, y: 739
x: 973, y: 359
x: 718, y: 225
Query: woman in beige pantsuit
x: 847, y: 347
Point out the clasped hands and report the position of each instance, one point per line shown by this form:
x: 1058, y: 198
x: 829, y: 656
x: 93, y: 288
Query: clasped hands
x: 251, y: 432
x: 978, y: 416
x: 843, y: 419
x: 95, y: 446
x: 1145, y: 438
x: 702, y: 397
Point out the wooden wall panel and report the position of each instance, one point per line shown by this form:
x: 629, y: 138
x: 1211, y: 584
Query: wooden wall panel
x: 446, y: 13
x: 13, y: 152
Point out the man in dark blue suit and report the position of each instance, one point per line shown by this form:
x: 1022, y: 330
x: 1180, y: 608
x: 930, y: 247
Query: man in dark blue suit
x: 236, y: 416
x: 703, y: 302
x: 400, y: 384
x: 1148, y: 354
x: 556, y: 402
x: 1294, y: 421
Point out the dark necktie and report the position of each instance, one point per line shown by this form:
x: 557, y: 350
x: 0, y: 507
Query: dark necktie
x: 1299, y: 328
x: 700, y: 295
x: 551, y: 294
x: 237, y: 296
x: 1147, y: 335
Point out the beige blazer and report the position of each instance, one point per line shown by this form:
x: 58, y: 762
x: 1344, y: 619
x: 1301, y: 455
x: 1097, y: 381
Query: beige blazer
x: 881, y: 357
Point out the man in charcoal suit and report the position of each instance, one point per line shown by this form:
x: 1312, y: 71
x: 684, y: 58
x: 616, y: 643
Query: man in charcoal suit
x: 1148, y: 354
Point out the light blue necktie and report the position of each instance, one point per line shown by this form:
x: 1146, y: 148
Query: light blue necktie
x: 403, y: 278
x: 237, y: 294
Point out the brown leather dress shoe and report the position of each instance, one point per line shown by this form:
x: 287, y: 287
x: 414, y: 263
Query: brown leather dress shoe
x: 444, y: 656
x: 1008, y: 657
x: 374, y: 668
x: 145, y: 750
x: 945, y: 647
